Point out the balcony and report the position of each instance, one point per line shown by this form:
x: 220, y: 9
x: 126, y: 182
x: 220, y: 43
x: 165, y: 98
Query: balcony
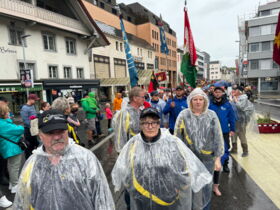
x: 32, y: 13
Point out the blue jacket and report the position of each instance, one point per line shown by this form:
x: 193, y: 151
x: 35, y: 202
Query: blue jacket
x: 25, y: 112
x: 12, y: 132
x: 159, y: 105
x: 180, y: 104
x: 225, y: 114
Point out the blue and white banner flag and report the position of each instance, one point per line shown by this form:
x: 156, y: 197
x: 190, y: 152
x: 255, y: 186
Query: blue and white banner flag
x: 130, y: 61
x: 163, y: 45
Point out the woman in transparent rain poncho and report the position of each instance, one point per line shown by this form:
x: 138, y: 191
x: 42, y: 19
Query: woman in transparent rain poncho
x: 157, y: 169
x: 200, y: 130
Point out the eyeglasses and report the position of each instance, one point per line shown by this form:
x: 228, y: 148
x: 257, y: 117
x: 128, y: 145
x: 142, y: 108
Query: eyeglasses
x: 147, y: 124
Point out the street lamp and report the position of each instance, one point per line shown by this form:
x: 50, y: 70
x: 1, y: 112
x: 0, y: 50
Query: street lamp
x: 23, y: 37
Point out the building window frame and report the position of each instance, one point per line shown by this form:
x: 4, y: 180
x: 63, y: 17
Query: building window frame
x: 80, y: 72
x: 49, y: 41
x: 51, y: 69
x: 117, y: 45
x: 67, y: 72
x: 15, y: 34
x: 70, y: 46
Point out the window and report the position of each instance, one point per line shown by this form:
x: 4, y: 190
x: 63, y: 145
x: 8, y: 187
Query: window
x: 80, y: 73
x: 265, y: 13
x: 67, y: 72
x: 15, y: 36
x: 150, y: 66
x: 265, y: 46
x: 269, y: 83
x: 139, y: 65
x: 117, y: 46
x: 70, y: 46
x: 266, y: 29
x: 102, y: 5
x: 49, y: 41
x: 265, y: 64
x: 275, y: 65
x: 254, y: 64
x: 275, y: 11
x: 254, y: 31
x: 150, y: 54
x: 53, y: 72
x: 254, y: 47
x: 121, y: 46
x: 141, y: 52
x: 128, y: 18
x: 114, y: 11
x: 138, y: 51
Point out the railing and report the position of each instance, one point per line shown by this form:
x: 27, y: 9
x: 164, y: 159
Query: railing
x: 29, y: 11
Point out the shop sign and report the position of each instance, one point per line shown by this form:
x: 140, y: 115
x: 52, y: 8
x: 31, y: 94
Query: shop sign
x: 6, y: 50
x: 19, y: 89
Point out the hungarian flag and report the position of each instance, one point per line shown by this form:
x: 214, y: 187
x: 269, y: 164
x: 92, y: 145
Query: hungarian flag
x: 153, y: 83
x: 276, y: 45
x: 189, y: 58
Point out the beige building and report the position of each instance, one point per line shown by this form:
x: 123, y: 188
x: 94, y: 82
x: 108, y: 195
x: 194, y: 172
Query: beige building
x: 215, y: 70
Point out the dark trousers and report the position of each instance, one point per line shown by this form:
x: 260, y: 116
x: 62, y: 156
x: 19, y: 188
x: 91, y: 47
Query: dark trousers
x: 225, y: 157
x: 127, y: 199
x: 3, y: 170
x: 98, y: 127
x: 31, y: 141
x: 109, y: 123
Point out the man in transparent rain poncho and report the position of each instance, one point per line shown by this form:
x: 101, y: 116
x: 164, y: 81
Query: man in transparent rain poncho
x: 157, y: 169
x: 60, y: 174
x: 199, y: 128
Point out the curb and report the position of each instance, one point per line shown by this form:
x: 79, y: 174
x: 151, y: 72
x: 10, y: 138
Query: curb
x: 266, y: 103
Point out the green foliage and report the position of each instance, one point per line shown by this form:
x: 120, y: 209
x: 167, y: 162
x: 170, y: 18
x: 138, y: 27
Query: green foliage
x: 265, y: 119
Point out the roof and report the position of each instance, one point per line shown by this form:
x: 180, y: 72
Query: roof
x: 110, y: 30
x: 143, y: 75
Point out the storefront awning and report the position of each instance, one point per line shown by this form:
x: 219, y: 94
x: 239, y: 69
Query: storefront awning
x: 18, y: 88
x: 143, y: 75
x: 70, y: 83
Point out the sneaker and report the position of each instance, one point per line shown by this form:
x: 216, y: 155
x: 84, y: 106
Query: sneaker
x: 245, y: 154
x: 14, y: 189
x: 4, y: 202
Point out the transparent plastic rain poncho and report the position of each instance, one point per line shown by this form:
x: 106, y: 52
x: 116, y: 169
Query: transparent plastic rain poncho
x: 76, y: 182
x: 126, y: 125
x: 245, y: 112
x: 160, y: 174
x: 202, y: 134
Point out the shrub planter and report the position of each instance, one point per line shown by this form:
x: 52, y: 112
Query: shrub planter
x: 272, y: 127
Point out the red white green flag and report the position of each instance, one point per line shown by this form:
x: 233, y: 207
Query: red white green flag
x: 189, y: 58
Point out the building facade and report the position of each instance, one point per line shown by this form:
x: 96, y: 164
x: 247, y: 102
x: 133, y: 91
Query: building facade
x: 203, y: 61
x: 215, y: 70
x: 142, y: 23
x: 256, y: 65
x: 54, y: 48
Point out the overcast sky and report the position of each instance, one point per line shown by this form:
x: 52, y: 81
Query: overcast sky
x: 213, y: 22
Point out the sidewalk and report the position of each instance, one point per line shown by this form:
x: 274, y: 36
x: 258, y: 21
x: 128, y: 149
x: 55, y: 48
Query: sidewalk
x: 262, y: 164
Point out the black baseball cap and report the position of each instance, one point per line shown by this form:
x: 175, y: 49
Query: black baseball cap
x: 52, y: 120
x: 154, y: 93
x: 149, y: 112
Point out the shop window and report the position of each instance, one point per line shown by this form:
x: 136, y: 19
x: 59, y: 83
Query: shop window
x: 114, y: 11
x: 139, y: 65
x: 102, y: 5
x: 80, y: 73
x: 15, y: 36
x: 53, y: 72
x: 269, y: 84
x: 128, y: 18
x: 49, y: 41
x: 67, y: 72
x: 70, y: 46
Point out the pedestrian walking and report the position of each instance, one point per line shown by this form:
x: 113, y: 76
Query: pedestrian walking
x: 63, y: 105
x: 28, y: 110
x: 174, y: 106
x: 10, y: 135
x: 221, y: 106
x: 159, y: 105
x: 60, y: 174
x: 160, y: 171
x: 117, y: 103
x: 109, y: 114
x: 244, y: 109
x: 199, y: 128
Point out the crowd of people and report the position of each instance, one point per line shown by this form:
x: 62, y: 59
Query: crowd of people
x: 171, y: 145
